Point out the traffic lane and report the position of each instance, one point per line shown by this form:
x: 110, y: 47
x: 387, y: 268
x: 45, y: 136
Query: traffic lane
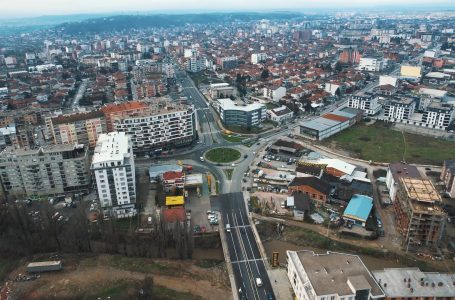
x: 256, y: 263
x: 247, y: 271
x: 247, y: 282
x: 243, y: 244
x: 254, y: 247
x: 243, y: 275
x: 266, y: 288
x: 252, y: 250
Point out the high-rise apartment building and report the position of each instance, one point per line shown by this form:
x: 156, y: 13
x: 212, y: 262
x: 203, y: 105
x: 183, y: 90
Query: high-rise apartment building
x: 114, y: 173
x: 49, y: 170
x: 160, y: 125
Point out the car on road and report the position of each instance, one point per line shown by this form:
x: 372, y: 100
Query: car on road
x: 258, y: 281
x: 202, y: 158
x: 245, y: 156
x: 232, y: 165
x: 228, y: 227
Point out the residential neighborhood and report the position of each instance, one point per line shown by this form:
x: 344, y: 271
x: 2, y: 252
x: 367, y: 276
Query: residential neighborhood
x: 228, y: 154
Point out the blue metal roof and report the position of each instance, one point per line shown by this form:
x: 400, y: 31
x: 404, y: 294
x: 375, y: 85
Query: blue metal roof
x: 359, y: 208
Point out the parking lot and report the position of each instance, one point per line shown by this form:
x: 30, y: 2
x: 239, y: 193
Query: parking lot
x: 198, y: 205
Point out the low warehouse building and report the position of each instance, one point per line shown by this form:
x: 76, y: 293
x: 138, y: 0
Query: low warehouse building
x: 358, y: 209
x: 329, y: 124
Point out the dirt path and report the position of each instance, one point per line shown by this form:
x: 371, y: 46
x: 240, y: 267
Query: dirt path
x: 323, y: 231
x: 92, y: 275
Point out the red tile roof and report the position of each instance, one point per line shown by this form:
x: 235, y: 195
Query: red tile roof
x: 110, y: 108
x: 335, y: 117
x: 172, y: 175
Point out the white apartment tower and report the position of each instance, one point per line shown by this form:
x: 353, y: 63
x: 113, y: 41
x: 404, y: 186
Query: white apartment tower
x: 370, y: 64
x: 368, y: 104
x: 113, y: 168
x: 258, y: 58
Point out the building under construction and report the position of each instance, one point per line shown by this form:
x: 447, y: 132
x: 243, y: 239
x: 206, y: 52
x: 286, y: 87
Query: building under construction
x: 419, y: 215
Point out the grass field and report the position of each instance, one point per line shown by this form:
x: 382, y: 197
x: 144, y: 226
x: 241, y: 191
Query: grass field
x: 222, y: 155
x: 129, y: 289
x: 380, y: 143
x: 143, y: 265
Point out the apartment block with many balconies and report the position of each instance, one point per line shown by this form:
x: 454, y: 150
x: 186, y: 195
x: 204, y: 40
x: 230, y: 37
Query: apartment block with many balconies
x: 114, y: 173
x: 367, y: 103
x: 438, y: 115
x: 78, y: 128
x: 161, y: 125
x: 400, y: 109
x: 49, y: 170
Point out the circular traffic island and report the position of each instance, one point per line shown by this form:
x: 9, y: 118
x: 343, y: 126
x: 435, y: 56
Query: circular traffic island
x: 222, y: 155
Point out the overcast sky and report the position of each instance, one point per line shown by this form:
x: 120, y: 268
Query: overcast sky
x: 13, y: 8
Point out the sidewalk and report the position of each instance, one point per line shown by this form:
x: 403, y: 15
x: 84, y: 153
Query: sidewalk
x: 280, y: 283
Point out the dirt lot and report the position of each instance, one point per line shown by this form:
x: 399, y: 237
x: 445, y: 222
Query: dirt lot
x: 299, y: 235
x: 272, y: 200
x: 120, y: 277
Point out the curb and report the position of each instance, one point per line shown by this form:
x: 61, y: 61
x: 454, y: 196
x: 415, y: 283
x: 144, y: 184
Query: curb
x: 228, y: 259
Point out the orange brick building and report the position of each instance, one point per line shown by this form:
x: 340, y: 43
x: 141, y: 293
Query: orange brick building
x: 315, y: 188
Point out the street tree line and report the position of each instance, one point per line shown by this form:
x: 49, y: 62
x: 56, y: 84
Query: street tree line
x: 25, y: 232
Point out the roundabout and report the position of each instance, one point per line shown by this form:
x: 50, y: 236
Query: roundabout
x: 222, y: 155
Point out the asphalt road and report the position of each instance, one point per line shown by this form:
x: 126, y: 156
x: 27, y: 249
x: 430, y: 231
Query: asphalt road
x: 243, y: 250
x: 80, y: 93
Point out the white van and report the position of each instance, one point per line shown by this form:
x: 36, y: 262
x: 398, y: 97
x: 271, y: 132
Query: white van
x: 228, y: 227
x: 202, y: 158
x: 258, y: 282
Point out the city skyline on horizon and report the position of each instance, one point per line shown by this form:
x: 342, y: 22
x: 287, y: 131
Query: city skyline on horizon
x: 28, y: 8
